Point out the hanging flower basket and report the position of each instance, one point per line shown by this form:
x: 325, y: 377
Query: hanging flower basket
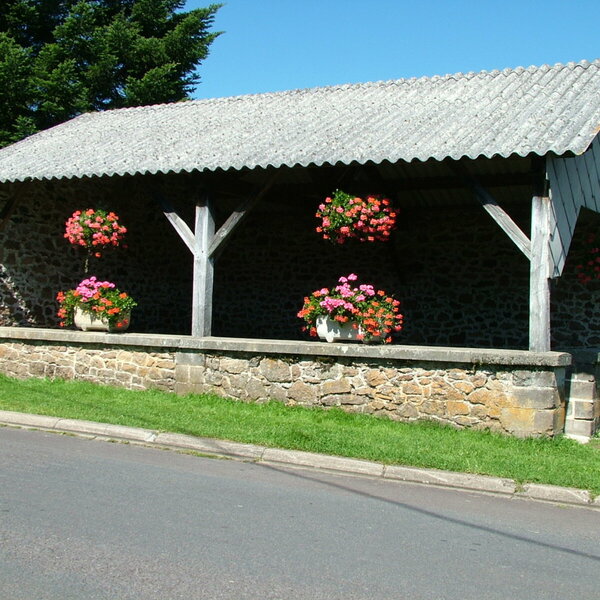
x: 346, y: 217
x: 94, y: 230
x: 372, y: 314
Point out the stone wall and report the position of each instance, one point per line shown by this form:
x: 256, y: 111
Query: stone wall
x: 517, y: 393
x: 461, y: 281
x: 36, y: 261
x: 129, y: 367
x: 522, y: 402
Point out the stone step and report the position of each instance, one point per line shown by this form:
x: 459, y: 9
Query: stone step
x: 582, y: 387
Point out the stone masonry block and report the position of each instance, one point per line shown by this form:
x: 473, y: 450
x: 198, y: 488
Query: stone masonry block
x: 234, y: 366
x: 580, y: 409
x: 337, y: 386
x: 278, y: 393
x: 576, y: 427
x: 64, y: 372
x: 255, y: 389
x: 517, y: 420
x: 375, y: 377
x: 487, y: 397
x: 351, y: 399
x: 275, y: 370
x: 536, y: 397
x: 457, y: 408
x: 182, y: 373
x: 582, y: 390
x: 407, y: 411
x: 197, y: 374
x: 239, y: 381
x: 465, y: 387
x: 302, y: 392
x: 534, y: 378
x: 544, y: 422
x: 190, y: 358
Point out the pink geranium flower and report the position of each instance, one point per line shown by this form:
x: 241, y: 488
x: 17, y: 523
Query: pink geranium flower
x: 375, y: 313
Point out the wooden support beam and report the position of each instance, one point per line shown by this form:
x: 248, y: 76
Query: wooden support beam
x: 180, y: 226
x: 198, y: 243
x: 539, y: 275
x: 202, y: 291
x: 502, y: 218
x: 235, y: 219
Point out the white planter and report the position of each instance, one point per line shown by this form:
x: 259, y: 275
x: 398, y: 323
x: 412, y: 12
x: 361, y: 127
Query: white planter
x: 88, y: 322
x: 333, y: 331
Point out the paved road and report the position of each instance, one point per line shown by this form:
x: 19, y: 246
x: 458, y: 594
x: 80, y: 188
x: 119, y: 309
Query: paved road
x: 87, y: 520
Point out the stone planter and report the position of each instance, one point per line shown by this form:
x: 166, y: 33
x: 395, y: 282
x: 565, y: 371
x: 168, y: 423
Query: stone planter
x: 88, y: 322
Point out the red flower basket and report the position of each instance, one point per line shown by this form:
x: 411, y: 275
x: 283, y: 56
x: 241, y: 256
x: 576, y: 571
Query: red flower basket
x: 346, y: 217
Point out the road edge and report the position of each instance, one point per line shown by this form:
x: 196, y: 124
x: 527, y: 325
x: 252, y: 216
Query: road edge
x: 297, y: 458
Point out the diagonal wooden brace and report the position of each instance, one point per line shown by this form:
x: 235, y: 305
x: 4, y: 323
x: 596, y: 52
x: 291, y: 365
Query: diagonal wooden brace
x: 502, y: 218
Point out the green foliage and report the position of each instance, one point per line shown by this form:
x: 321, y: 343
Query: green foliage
x: 59, y: 58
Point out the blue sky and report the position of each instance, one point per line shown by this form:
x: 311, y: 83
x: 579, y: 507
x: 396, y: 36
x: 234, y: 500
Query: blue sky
x: 274, y: 45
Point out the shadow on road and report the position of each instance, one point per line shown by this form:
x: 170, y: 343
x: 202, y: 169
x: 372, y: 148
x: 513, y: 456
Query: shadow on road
x: 305, y: 475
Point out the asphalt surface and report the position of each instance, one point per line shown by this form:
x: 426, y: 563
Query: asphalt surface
x: 80, y: 519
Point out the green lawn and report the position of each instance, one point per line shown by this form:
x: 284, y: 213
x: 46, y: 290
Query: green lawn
x: 559, y: 461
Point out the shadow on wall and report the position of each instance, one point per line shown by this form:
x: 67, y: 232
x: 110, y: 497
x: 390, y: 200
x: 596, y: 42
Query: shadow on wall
x: 36, y: 261
x: 576, y: 306
x: 460, y: 280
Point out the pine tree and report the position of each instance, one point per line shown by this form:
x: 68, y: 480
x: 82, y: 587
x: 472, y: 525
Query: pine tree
x: 59, y: 58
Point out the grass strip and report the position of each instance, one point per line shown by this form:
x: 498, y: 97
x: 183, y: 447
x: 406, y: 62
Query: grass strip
x: 557, y: 461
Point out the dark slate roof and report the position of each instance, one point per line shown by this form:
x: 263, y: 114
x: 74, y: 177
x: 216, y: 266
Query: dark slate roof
x: 537, y: 110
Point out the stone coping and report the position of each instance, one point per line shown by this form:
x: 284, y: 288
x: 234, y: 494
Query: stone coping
x: 441, y: 354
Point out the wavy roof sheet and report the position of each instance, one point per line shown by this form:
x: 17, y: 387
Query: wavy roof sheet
x: 539, y: 110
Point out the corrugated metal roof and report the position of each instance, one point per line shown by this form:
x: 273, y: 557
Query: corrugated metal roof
x: 511, y: 112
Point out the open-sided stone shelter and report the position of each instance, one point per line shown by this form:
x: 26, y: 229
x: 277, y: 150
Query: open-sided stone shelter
x: 496, y: 175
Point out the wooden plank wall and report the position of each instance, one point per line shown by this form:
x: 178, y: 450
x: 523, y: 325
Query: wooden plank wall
x: 574, y: 183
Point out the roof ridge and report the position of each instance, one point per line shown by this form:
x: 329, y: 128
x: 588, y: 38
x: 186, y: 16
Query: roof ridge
x: 457, y: 76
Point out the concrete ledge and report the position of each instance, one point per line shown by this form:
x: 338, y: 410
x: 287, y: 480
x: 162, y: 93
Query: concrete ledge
x: 555, y: 493
x: 469, y: 481
x: 319, y: 461
x: 210, y: 446
x: 439, y: 354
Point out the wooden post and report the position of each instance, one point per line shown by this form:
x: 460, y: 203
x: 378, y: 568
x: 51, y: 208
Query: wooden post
x: 204, y: 231
x: 539, y: 275
x: 205, y: 246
